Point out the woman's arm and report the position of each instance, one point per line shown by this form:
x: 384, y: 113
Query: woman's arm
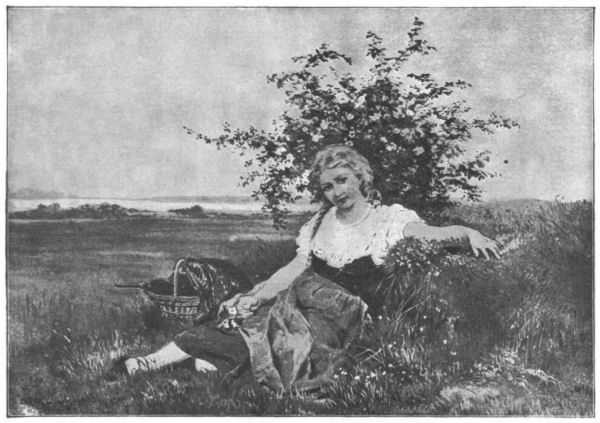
x: 477, y: 241
x: 280, y: 280
x: 268, y: 289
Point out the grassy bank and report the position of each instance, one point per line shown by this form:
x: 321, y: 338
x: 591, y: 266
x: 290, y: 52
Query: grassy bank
x: 505, y: 337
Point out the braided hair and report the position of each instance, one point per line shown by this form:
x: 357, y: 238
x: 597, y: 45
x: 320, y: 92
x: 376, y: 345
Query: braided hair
x: 341, y: 155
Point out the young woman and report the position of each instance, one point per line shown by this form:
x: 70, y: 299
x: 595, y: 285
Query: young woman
x: 298, y: 325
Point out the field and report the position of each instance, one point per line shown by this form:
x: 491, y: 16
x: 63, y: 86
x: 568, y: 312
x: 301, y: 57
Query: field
x: 503, y: 337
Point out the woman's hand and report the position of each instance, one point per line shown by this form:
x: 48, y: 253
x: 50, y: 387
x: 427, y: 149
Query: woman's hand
x: 481, y: 243
x: 247, y: 305
x: 240, y: 304
x: 229, y: 305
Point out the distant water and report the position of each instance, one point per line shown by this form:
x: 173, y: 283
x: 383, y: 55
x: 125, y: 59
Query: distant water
x: 150, y: 205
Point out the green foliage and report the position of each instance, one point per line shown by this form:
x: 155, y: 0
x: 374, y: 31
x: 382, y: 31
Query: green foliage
x: 413, y: 129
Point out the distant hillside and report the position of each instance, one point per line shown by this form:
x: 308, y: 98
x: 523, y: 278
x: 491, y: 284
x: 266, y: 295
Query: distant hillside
x: 235, y: 199
x: 201, y: 198
x: 36, y: 194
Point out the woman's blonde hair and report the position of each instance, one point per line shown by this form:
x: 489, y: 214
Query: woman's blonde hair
x: 343, y: 156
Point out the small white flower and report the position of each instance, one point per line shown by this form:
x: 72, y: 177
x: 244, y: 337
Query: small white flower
x: 304, y: 179
x: 357, y: 377
x: 445, y: 341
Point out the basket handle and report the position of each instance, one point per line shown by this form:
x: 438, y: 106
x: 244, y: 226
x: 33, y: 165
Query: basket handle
x: 175, y: 272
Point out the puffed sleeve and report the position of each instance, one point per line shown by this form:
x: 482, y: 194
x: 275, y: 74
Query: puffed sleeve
x: 304, y: 237
x: 398, y: 218
x: 394, y: 220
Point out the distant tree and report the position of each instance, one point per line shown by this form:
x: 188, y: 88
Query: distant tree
x: 194, y: 211
x: 404, y: 123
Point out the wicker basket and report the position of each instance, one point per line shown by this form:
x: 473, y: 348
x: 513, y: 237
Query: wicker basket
x: 177, y: 306
x: 212, y: 281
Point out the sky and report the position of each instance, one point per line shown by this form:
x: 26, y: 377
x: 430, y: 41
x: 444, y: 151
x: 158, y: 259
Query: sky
x: 98, y: 97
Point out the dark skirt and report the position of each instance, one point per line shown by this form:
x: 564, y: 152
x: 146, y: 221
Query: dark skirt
x: 295, y: 342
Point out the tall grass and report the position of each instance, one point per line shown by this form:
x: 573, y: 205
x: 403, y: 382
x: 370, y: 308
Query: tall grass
x: 459, y: 335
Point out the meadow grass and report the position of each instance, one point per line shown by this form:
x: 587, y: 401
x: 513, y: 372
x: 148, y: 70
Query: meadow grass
x: 467, y: 336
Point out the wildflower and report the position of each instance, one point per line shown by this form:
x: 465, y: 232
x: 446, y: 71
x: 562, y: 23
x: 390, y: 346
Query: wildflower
x: 343, y: 372
x: 383, y: 373
x: 390, y: 365
x: 357, y: 377
x: 445, y: 341
x: 373, y: 374
x: 453, y: 353
x: 419, y: 150
x: 379, y: 317
x: 421, y: 329
x: 304, y: 179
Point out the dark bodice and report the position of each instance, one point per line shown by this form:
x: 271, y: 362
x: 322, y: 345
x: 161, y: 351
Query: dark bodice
x: 360, y: 277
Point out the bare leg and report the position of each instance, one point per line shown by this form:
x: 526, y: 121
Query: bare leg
x: 168, y: 355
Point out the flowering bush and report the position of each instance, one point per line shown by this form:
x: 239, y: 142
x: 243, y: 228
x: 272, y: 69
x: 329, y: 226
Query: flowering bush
x: 408, y: 125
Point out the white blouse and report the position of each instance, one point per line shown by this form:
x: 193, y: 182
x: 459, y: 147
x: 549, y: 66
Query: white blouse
x: 339, y: 244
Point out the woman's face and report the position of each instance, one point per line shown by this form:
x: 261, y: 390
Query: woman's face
x: 341, y: 187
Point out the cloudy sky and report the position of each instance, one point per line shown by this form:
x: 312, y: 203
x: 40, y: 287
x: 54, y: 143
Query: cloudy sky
x: 97, y: 97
